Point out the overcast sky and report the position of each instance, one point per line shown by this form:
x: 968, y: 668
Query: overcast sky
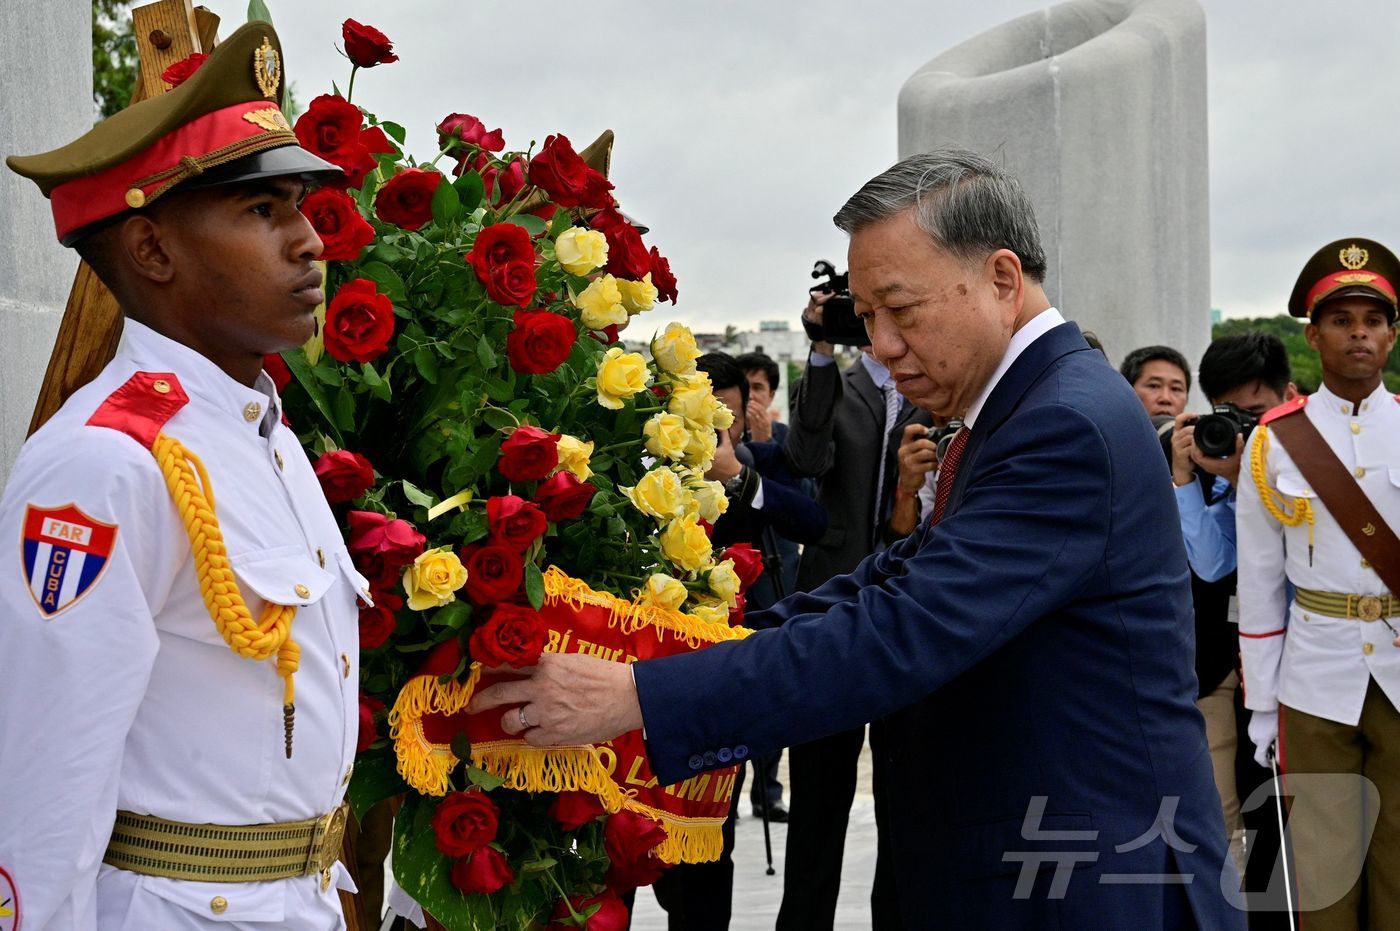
x: 742, y: 127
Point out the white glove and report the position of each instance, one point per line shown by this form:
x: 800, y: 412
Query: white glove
x: 1263, y: 731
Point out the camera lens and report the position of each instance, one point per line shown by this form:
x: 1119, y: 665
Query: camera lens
x: 1215, y: 435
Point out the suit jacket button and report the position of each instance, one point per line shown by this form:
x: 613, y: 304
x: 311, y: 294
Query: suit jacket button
x: 696, y: 762
x: 710, y: 759
x: 725, y: 755
x: 741, y: 752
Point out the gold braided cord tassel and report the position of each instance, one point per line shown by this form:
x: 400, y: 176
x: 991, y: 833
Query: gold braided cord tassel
x: 1273, y: 501
x: 270, y: 636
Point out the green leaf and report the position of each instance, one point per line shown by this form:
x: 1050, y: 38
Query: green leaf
x: 258, y: 10
x: 534, y: 585
x: 344, y: 406
x: 425, y: 360
x: 376, y: 778
x: 301, y: 370
x: 498, y: 419
x: 386, y: 279
x: 533, y: 224
x: 453, y: 616
x: 539, y: 865
x: 416, y: 495
x: 395, y: 131
x: 480, y: 777
x: 471, y: 190
x: 377, y: 385
x: 486, y: 353
x: 447, y: 206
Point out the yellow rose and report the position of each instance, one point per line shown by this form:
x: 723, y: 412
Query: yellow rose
x: 708, y: 497
x: 700, y: 451
x: 694, y: 404
x: 659, y: 494
x: 724, y: 581
x: 666, y: 436
x: 684, y: 542
x: 637, y: 296
x: 663, y: 591
x: 711, y: 614
x: 581, y: 250
x: 600, y: 304
x: 574, y: 454
x: 674, y: 350
x: 432, y: 579
x: 621, y: 374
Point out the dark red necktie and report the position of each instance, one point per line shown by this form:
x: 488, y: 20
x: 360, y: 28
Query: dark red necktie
x: 947, y: 470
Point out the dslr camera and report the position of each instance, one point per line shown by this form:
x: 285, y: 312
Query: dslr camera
x: 943, y: 436
x: 839, y: 325
x: 1216, y: 431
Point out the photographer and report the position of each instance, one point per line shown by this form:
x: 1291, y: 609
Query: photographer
x: 1244, y: 377
x: 920, y: 452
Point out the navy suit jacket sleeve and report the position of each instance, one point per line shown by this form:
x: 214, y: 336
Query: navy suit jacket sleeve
x: 1031, y: 527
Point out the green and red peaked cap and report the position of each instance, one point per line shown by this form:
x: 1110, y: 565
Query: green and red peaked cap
x: 1351, y: 267
x: 221, y: 125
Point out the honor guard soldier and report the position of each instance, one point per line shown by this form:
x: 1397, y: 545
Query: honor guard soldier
x: 178, y: 619
x: 1319, y: 504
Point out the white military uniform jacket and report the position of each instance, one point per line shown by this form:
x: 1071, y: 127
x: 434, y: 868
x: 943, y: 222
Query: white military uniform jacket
x: 1321, y: 665
x: 118, y: 691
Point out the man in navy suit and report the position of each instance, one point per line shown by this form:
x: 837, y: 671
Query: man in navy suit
x: 1037, y: 631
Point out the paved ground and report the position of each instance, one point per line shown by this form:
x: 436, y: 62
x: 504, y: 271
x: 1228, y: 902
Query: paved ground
x: 756, y: 895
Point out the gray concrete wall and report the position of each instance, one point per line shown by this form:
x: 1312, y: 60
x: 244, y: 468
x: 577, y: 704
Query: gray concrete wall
x: 45, y: 101
x: 1099, y: 108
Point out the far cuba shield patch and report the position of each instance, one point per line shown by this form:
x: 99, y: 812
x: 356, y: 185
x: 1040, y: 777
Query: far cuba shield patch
x: 65, y: 553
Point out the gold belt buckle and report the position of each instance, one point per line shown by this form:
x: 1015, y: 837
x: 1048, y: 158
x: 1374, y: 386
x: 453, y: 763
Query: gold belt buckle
x: 1368, y: 608
x: 326, y: 840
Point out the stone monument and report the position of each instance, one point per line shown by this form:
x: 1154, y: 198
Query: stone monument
x: 45, y: 101
x: 1099, y: 108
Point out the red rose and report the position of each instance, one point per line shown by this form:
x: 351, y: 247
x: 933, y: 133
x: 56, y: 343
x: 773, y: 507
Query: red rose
x: 470, y: 130
x: 575, y: 809
x: 344, y: 475
x: 514, y: 521
x: 748, y: 564
x: 182, y: 70
x: 529, y: 454
x: 407, y: 199
x: 330, y: 128
x: 377, y: 624
x: 540, y: 342
x: 627, y: 256
x: 276, y: 369
x: 443, y: 659
x: 612, y: 914
x: 503, y: 258
x: 514, y: 636
x: 494, y: 573
x: 382, y: 547
x: 465, y: 822
x: 337, y: 220
x: 366, y: 46
x: 485, y: 871
x: 506, y: 182
x: 628, y: 839
x: 736, y: 613
x: 661, y: 277
x: 359, y: 322
x: 566, y: 177
x: 563, y: 496
x: 512, y: 284
x: 369, y: 707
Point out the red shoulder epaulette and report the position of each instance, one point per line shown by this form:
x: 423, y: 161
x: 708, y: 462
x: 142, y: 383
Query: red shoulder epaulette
x: 1284, y: 409
x: 142, y: 407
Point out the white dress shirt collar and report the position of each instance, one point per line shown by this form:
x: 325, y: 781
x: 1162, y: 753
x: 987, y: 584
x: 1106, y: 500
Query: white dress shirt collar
x: 1331, y: 403
x: 1036, y: 327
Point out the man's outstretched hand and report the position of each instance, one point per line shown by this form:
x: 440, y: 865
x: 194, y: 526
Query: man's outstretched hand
x: 568, y: 700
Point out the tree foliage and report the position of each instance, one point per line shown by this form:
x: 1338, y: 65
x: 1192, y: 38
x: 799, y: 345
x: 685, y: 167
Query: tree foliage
x: 114, y: 61
x: 1307, y: 371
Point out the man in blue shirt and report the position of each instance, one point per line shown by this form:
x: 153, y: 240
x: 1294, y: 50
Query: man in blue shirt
x: 1250, y: 371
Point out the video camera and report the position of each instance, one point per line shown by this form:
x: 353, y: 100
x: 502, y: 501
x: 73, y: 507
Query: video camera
x: 839, y: 325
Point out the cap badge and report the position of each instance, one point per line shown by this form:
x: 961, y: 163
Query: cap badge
x: 1353, y: 256
x: 267, y: 68
x: 268, y: 118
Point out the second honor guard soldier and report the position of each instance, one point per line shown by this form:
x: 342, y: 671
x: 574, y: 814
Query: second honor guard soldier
x: 177, y: 609
x: 1319, y: 503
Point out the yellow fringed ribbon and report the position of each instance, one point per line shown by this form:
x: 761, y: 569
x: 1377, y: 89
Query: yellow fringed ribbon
x: 630, y: 617
x: 193, y: 494
x: 459, y: 500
